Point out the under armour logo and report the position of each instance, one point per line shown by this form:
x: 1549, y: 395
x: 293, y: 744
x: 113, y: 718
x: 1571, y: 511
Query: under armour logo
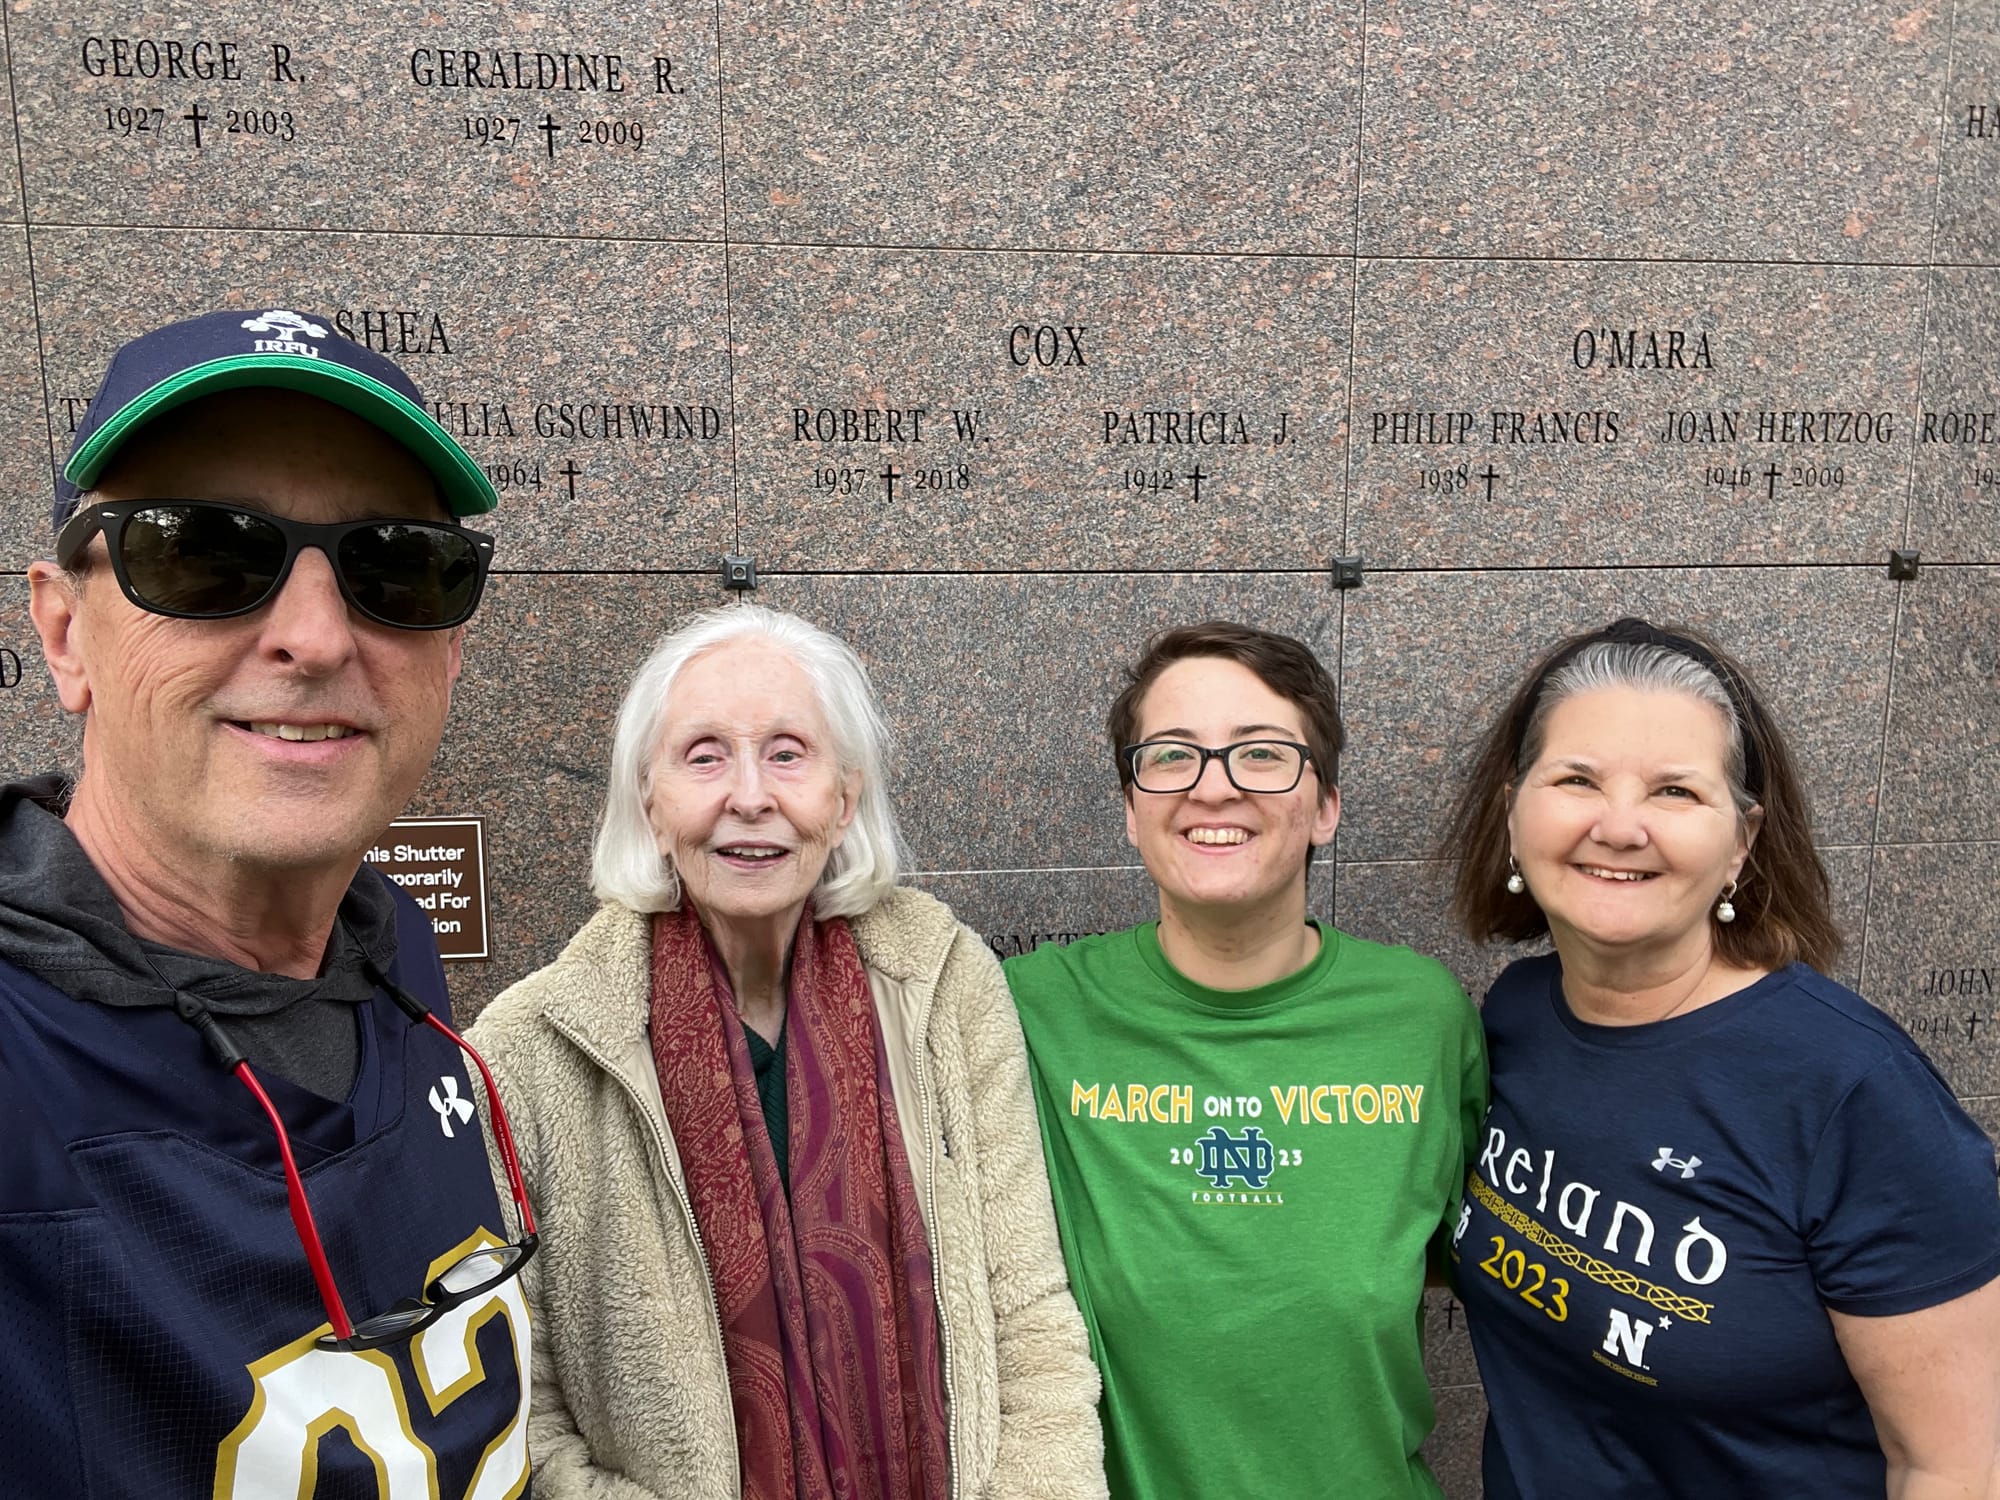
x: 450, y: 1104
x: 1666, y: 1159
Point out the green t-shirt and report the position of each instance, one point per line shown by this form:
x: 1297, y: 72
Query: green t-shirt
x: 1247, y: 1184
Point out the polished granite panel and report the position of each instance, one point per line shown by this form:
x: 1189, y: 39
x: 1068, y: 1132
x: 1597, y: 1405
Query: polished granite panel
x: 35, y: 734
x: 1535, y: 413
x: 997, y: 687
x: 1969, y: 144
x: 1174, y: 126
x: 1431, y: 659
x: 1938, y: 779
x: 1624, y: 128
x: 1934, y: 954
x: 1955, y: 514
x: 1453, y: 1448
x: 26, y: 475
x: 12, y: 209
x: 1409, y: 902
x: 547, y: 662
x: 915, y: 410
x: 1448, y: 1357
x: 590, y: 378
x: 564, y: 120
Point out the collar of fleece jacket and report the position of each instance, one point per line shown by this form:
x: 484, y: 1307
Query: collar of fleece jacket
x: 907, y: 936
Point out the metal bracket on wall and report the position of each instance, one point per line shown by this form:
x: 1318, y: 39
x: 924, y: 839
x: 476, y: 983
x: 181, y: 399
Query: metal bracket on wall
x: 739, y: 572
x: 1347, y: 572
x: 1902, y: 565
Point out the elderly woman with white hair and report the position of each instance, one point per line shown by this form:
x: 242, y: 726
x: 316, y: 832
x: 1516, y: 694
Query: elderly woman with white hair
x: 774, y: 1117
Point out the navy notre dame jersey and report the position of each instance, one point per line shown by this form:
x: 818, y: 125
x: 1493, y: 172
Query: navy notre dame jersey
x: 157, y: 1314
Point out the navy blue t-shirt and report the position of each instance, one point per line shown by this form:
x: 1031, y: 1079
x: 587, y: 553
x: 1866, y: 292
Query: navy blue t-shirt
x: 1660, y: 1217
x: 157, y: 1313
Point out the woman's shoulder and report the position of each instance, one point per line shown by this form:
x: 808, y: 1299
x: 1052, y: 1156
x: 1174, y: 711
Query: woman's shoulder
x: 1840, y: 1024
x: 1420, y: 983
x: 910, y: 935
x: 599, y: 961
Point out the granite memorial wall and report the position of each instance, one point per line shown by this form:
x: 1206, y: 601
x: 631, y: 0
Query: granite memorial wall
x: 995, y: 336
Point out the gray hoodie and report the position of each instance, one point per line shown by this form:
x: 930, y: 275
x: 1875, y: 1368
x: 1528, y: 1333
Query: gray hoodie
x: 60, y: 922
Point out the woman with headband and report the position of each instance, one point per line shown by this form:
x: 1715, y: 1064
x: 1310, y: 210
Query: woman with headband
x: 1727, y: 1233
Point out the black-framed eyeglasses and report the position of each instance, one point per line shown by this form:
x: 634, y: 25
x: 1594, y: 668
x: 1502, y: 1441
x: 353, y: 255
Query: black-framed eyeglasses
x: 210, y: 560
x: 1262, y: 766
x: 471, y: 1275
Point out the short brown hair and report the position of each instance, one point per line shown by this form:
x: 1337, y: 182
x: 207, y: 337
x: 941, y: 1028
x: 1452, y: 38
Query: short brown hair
x: 1286, y: 666
x: 1783, y: 901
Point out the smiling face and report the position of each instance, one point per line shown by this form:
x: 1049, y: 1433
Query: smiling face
x: 1624, y: 826
x: 747, y: 797
x: 282, y: 740
x: 1214, y: 846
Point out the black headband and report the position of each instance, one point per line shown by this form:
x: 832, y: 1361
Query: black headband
x: 1635, y: 632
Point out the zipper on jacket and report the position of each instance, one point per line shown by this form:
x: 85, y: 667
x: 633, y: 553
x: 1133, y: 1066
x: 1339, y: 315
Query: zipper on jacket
x: 687, y: 1209
x: 937, y: 1257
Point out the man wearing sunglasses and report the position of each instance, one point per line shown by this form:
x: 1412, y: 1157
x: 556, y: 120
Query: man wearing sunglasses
x: 1255, y: 1124
x: 249, y: 1244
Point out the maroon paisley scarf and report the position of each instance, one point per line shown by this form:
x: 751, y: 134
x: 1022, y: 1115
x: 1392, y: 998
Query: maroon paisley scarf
x: 829, y: 1325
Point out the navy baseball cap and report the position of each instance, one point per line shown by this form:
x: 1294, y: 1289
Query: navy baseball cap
x: 228, y: 351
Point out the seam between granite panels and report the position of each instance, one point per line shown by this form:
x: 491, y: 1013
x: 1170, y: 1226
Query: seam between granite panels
x: 1354, y: 296
x: 14, y: 113
x: 1939, y: 844
x: 333, y: 231
x: 1930, y: 279
x: 1923, y: 348
x: 1314, y: 570
x: 1385, y: 255
x: 28, y: 244
x: 1881, y: 781
x: 601, y: 573
x: 1339, y: 702
x: 1032, y: 870
x: 1445, y: 861
x: 323, y: 231
x: 728, y: 300
x: 1938, y: 167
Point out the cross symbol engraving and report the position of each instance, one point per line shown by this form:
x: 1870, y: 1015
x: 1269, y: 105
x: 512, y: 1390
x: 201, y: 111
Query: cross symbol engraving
x: 198, y: 117
x: 1489, y: 474
x: 1198, y: 476
x: 889, y: 476
x: 548, y: 128
x: 1771, y: 482
x: 569, y: 471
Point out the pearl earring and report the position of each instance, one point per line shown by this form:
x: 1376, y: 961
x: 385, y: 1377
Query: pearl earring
x: 1515, y: 884
x: 1725, y: 911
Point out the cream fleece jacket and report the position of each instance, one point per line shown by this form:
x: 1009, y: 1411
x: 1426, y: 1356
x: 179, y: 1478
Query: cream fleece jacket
x: 631, y: 1395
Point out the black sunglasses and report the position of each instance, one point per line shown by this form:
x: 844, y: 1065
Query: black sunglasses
x: 207, y: 560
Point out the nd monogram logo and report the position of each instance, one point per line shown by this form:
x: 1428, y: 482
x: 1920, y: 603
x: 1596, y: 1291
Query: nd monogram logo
x: 1246, y: 1158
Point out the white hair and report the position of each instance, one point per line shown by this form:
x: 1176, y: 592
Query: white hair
x: 626, y: 865
x: 1649, y: 669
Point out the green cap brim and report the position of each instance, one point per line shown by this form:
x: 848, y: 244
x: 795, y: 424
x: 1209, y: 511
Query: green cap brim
x: 467, y: 491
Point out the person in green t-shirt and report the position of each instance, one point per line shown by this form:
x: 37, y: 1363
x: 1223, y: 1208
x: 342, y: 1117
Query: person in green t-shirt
x: 1256, y: 1126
